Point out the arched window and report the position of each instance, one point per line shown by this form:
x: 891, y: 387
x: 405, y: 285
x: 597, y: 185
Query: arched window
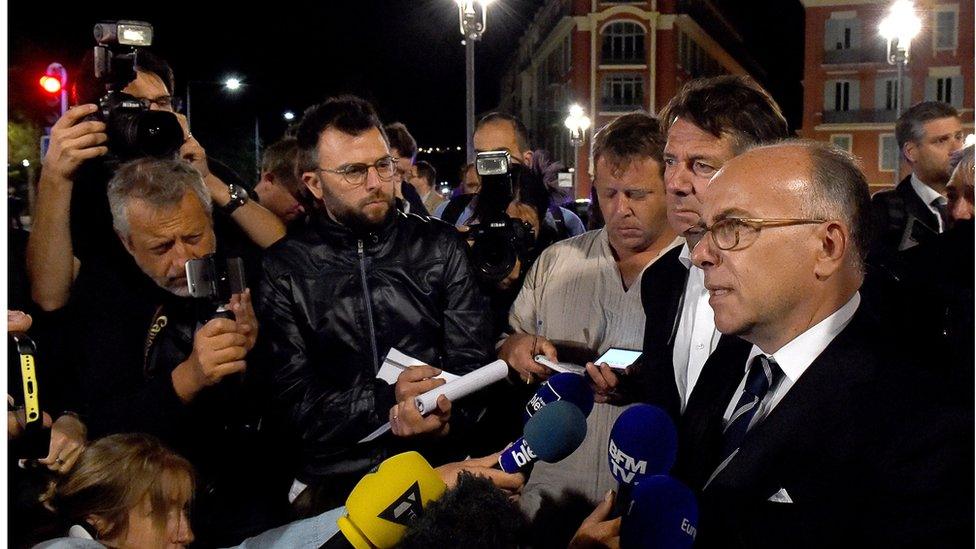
x: 623, y: 42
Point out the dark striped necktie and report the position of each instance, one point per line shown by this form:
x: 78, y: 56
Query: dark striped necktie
x: 763, y: 374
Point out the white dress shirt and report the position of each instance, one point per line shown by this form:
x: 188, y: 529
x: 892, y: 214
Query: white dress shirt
x: 696, y: 336
x: 794, y: 358
x: 930, y: 195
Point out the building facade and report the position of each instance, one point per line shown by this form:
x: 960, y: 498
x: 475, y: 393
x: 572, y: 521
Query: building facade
x: 610, y: 58
x: 850, y: 89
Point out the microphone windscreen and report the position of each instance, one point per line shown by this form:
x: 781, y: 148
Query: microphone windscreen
x: 563, y: 386
x: 385, y: 502
x: 555, y: 431
x: 663, y: 514
x: 643, y: 442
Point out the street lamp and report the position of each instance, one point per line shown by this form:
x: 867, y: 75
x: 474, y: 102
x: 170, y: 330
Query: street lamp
x: 288, y: 115
x: 231, y: 84
x: 577, y: 123
x: 899, y: 28
x: 473, y: 23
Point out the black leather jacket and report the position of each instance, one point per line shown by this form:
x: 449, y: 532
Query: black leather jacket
x: 332, y: 304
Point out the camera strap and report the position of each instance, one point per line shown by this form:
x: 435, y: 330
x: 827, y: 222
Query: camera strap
x: 28, y: 374
x: 159, y: 321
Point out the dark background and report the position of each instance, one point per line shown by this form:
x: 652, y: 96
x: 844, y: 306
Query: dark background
x: 403, y: 55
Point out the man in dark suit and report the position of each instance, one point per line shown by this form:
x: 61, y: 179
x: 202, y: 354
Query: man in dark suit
x: 816, y: 435
x: 915, y: 210
x: 707, y: 123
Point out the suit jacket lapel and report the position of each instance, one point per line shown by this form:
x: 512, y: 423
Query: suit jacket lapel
x: 914, y: 206
x: 806, y: 417
x: 662, y: 289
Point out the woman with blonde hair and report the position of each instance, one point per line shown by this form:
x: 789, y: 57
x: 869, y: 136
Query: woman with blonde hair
x: 126, y: 491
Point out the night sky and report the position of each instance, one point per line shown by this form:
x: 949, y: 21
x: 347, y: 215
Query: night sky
x: 403, y: 55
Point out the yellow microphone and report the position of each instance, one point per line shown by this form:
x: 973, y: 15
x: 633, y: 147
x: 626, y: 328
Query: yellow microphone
x: 385, y: 502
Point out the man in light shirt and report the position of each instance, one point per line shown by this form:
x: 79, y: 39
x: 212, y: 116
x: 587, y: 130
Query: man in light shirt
x: 708, y: 122
x: 818, y: 423
x: 581, y: 298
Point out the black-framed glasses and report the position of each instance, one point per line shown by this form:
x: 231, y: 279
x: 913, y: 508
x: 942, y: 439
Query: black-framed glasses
x: 355, y: 174
x: 734, y: 232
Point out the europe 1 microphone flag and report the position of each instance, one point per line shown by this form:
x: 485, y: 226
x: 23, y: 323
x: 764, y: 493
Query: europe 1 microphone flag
x: 663, y: 514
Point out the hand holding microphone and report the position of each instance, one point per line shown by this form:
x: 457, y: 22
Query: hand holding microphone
x: 550, y: 435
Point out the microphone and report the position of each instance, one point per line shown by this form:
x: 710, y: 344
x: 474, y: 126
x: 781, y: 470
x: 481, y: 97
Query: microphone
x: 386, y: 501
x: 662, y: 515
x: 643, y: 442
x: 565, y: 386
x: 550, y: 435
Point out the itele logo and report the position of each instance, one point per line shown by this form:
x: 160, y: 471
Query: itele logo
x: 623, y: 466
x: 406, y: 508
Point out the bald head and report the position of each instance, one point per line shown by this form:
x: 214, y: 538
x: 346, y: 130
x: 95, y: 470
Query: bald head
x: 783, y: 251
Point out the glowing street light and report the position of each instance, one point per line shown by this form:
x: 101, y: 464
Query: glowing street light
x: 288, y: 115
x: 899, y: 28
x: 473, y: 23
x: 233, y: 83
x: 577, y: 123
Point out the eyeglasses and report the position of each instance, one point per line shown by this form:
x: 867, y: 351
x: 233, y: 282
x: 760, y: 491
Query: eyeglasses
x: 355, y: 174
x: 733, y: 232
x: 163, y: 102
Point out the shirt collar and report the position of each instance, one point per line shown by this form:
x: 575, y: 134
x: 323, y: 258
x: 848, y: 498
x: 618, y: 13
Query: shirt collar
x: 685, y: 256
x: 796, y: 356
x: 926, y: 193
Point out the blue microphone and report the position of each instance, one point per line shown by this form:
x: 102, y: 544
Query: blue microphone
x: 643, y: 443
x: 550, y: 435
x: 564, y: 386
x: 663, y: 514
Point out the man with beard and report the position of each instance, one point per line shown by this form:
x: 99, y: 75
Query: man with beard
x: 181, y: 380
x: 360, y: 279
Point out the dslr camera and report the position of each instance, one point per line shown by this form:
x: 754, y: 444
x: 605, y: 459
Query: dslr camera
x: 497, y: 240
x: 133, y: 130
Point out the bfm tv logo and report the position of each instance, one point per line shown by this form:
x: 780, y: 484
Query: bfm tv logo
x: 522, y: 454
x: 623, y: 466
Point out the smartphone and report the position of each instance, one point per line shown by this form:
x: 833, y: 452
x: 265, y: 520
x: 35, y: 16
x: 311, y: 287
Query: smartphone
x: 215, y: 278
x: 618, y: 358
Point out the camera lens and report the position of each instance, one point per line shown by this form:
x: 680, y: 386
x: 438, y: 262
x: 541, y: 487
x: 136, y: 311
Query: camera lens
x: 493, y: 255
x: 158, y: 133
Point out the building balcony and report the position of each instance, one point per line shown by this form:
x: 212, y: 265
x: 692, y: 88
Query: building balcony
x: 855, y: 55
x: 638, y: 59
x: 859, y: 116
x: 606, y: 107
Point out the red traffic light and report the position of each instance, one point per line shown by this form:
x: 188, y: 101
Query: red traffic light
x: 51, y: 84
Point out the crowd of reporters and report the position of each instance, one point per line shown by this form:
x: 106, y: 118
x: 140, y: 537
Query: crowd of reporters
x: 246, y: 414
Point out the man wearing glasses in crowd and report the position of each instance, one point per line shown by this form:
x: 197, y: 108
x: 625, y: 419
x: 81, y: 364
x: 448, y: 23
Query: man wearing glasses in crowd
x: 362, y: 278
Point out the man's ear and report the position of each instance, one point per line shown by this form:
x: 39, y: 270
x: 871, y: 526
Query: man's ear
x: 910, y: 151
x: 96, y: 526
x: 313, y: 183
x: 835, y: 242
x: 527, y: 157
